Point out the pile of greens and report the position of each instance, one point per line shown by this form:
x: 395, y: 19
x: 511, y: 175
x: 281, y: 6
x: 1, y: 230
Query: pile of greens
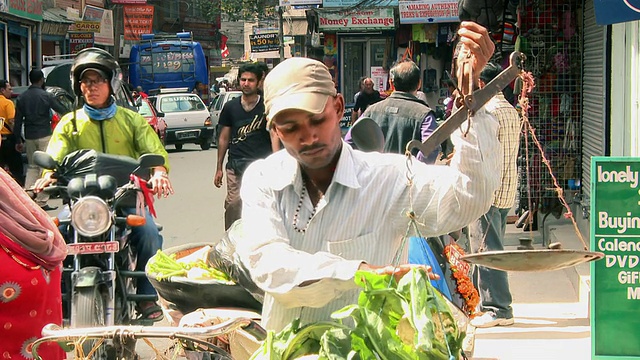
x: 407, y: 320
x: 163, y: 267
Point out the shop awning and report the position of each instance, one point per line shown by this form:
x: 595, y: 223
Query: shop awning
x: 56, y: 15
x: 55, y: 23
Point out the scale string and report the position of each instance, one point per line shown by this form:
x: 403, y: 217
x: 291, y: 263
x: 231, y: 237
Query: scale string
x: 528, y: 84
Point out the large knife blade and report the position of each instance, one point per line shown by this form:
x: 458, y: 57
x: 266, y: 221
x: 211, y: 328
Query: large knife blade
x: 472, y: 103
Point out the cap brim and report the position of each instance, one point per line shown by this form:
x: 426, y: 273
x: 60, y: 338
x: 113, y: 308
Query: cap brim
x: 310, y: 102
x: 100, y: 72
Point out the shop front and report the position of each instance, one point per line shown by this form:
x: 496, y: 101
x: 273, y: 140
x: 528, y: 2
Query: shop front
x: 18, y: 22
x: 356, y: 44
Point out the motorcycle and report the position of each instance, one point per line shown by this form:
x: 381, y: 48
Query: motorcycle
x: 99, y: 275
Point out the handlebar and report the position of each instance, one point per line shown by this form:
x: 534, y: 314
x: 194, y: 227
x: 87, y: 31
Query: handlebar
x: 53, y: 332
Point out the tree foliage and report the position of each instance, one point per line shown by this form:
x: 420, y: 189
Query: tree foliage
x: 236, y: 10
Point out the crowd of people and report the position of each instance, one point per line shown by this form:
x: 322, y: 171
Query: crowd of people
x: 319, y: 210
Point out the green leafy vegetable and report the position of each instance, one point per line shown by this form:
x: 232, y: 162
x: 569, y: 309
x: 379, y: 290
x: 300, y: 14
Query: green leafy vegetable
x: 166, y: 266
x: 408, y: 320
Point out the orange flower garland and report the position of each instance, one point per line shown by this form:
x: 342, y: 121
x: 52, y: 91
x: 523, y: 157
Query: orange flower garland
x: 464, y: 286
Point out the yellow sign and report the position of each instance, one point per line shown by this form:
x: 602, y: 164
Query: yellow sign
x: 88, y: 26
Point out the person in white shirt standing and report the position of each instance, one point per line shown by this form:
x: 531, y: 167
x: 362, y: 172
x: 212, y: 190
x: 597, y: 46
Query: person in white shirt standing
x: 318, y: 211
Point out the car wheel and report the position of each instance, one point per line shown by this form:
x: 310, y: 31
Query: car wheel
x: 178, y: 146
x: 206, y: 144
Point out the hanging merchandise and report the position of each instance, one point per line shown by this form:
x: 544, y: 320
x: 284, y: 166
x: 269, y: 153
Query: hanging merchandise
x: 430, y: 33
x: 418, y: 34
x: 315, y: 39
x: 551, y: 41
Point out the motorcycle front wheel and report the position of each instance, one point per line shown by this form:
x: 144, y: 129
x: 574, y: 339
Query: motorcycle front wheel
x: 88, y: 311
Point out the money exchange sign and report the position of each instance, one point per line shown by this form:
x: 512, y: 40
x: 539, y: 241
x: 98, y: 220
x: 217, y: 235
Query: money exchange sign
x: 615, y: 280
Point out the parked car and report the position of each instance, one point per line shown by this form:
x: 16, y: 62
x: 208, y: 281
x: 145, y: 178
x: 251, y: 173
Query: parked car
x: 187, y: 118
x: 216, y: 107
x: 153, y: 117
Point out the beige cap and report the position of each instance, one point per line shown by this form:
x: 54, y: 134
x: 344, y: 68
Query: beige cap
x: 297, y: 84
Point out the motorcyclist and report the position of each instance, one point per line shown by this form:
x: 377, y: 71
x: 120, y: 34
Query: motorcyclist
x: 103, y: 126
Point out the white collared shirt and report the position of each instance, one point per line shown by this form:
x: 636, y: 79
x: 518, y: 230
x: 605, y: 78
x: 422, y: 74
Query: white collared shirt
x: 362, y: 217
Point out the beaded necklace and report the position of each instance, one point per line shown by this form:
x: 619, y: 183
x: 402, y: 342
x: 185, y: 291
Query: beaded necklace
x: 297, y: 213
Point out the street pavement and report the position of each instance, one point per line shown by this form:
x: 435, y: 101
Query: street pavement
x: 550, y: 308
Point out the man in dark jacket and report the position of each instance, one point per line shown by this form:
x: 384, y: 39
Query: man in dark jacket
x: 33, y: 109
x: 402, y: 116
x: 367, y: 95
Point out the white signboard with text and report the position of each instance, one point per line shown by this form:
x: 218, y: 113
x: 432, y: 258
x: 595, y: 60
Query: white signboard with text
x: 370, y: 19
x: 379, y: 76
x: 428, y: 11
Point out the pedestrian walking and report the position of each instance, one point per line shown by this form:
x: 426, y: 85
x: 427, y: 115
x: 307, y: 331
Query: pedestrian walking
x: 10, y: 158
x: 368, y: 95
x: 244, y: 135
x: 487, y: 233
x: 33, y: 109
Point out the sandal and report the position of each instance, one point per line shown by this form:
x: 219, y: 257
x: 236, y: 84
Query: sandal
x: 147, y: 312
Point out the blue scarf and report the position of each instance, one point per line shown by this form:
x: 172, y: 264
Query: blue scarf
x: 101, y: 114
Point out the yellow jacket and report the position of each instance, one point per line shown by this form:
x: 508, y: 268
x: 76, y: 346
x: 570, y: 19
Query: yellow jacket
x: 126, y: 133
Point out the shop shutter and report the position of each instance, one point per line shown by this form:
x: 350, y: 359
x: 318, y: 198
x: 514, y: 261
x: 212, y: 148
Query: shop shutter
x: 593, y: 93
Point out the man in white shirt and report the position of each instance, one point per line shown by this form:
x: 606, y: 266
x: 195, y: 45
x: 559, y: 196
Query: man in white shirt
x: 319, y: 211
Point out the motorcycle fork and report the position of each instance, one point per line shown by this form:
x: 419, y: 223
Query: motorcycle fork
x: 108, y: 278
x: 111, y: 279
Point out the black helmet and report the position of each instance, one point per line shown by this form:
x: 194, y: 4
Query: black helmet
x: 95, y: 58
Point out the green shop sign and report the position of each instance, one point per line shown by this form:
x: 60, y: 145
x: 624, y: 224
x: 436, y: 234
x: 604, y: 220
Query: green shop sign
x: 615, y: 231
x: 28, y: 9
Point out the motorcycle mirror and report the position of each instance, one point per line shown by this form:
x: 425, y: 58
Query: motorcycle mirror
x: 367, y: 135
x: 44, y: 160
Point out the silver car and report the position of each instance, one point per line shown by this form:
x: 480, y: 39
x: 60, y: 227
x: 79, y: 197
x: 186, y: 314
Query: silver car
x: 187, y: 118
x: 216, y: 107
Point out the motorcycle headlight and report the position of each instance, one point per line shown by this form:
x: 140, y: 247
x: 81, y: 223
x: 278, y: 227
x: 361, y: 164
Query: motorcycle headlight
x: 91, y: 216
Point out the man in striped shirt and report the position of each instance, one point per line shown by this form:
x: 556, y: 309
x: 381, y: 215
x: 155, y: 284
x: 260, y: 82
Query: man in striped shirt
x: 319, y: 211
x: 487, y: 233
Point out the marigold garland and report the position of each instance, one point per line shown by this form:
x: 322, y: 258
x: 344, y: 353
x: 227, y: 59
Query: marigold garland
x: 460, y: 271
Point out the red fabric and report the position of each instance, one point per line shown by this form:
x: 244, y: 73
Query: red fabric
x: 29, y: 299
x: 146, y: 192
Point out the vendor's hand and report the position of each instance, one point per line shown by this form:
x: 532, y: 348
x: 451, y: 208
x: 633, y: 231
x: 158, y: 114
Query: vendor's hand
x: 399, y: 271
x: 217, y: 179
x: 43, y: 182
x: 160, y: 184
x: 478, y: 43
